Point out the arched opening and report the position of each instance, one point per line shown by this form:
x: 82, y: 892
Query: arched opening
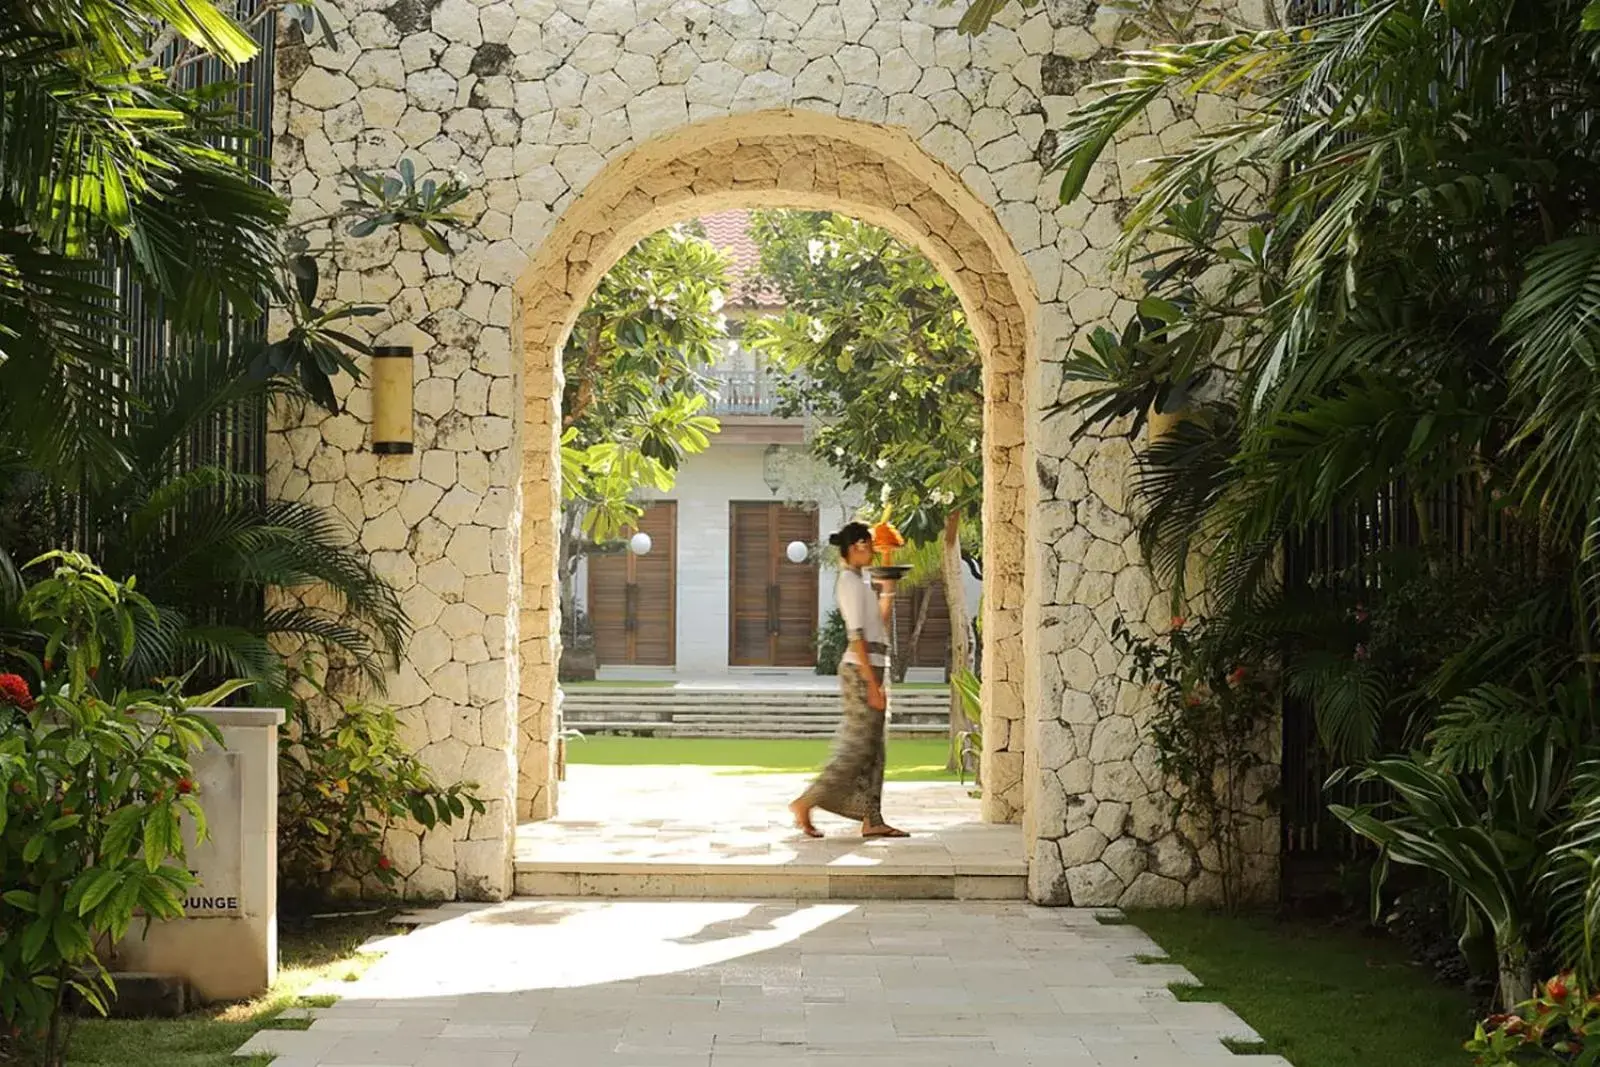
x: 790, y: 160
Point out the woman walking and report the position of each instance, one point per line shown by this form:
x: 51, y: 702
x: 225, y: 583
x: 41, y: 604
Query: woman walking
x: 851, y: 785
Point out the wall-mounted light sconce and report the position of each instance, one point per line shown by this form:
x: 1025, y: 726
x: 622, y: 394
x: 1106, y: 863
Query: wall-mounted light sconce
x: 391, y: 400
x: 772, y: 468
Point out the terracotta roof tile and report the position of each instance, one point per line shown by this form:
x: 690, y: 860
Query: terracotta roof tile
x: 729, y: 231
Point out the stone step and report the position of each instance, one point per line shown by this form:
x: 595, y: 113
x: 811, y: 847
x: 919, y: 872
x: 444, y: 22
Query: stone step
x: 831, y: 700
x: 762, y: 882
x: 830, y: 715
x: 659, y: 729
x: 645, y: 715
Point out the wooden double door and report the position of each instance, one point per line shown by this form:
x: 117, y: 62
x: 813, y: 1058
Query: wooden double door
x: 772, y: 609
x: 633, y: 599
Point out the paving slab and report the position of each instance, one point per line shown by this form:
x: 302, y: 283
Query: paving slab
x: 708, y: 832
x: 724, y: 983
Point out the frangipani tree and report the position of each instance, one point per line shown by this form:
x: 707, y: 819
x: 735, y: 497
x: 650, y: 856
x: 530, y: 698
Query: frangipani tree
x: 636, y: 399
x: 876, y: 352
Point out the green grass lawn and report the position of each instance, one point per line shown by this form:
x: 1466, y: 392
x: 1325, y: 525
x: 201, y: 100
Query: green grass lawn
x: 1319, y: 996
x: 643, y: 683
x: 917, y: 760
x: 324, y: 950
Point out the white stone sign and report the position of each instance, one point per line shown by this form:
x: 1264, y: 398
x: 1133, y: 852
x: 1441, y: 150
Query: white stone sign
x: 226, y: 946
x: 217, y: 862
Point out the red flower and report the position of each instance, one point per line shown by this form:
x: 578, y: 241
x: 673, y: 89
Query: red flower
x: 1238, y: 675
x: 185, y: 787
x: 1179, y: 622
x: 1556, y: 988
x: 1193, y: 700
x: 384, y: 863
x: 14, y: 691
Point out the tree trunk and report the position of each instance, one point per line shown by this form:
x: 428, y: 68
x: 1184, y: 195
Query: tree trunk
x: 1516, y: 975
x: 924, y: 602
x: 955, y: 597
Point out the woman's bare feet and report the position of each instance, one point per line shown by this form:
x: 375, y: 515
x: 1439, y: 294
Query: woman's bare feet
x: 881, y: 830
x: 802, y: 818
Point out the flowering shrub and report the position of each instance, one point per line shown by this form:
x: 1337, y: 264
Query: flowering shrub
x: 343, y: 780
x: 1207, y: 730
x: 1555, y: 1026
x: 92, y: 789
x: 14, y: 693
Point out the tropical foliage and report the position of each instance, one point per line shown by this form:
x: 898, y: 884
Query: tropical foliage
x: 94, y: 780
x: 1370, y: 281
x: 206, y: 543
x: 636, y: 397
x: 104, y: 155
x: 636, y: 392
x: 874, y: 349
x: 1211, y: 727
x: 99, y: 451
x: 345, y: 779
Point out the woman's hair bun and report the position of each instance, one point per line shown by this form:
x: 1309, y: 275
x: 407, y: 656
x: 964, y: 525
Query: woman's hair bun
x: 849, y: 534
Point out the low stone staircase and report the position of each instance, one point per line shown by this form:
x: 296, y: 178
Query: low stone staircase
x: 746, y: 713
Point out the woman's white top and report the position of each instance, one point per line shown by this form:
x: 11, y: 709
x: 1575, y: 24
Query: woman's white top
x: 863, y: 621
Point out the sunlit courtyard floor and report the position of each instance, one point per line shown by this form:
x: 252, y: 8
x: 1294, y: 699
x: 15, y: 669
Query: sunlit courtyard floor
x: 694, y: 831
x: 737, y: 984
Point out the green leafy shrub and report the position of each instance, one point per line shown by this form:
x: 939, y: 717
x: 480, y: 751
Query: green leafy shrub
x: 344, y: 779
x: 831, y: 641
x: 93, y: 787
x: 1211, y: 711
x: 1502, y: 803
x: 1554, y: 1026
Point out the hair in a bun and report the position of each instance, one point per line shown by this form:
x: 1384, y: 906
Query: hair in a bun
x: 849, y: 534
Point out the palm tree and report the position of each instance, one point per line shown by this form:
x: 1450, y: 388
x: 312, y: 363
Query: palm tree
x: 208, y: 548
x: 103, y: 159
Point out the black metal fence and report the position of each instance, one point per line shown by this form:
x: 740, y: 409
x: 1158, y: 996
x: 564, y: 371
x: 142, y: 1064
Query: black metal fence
x: 1341, y: 555
x: 239, y: 441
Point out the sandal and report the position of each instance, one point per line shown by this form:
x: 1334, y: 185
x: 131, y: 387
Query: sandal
x: 884, y: 831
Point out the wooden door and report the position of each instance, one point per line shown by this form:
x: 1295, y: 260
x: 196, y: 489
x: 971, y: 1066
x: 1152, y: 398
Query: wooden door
x: 633, y: 600
x: 772, y: 603
x: 933, y: 645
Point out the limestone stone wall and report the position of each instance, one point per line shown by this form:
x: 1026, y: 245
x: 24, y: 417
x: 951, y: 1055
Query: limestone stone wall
x: 583, y: 125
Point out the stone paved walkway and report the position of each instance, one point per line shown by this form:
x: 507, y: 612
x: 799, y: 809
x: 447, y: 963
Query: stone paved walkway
x: 695, y: 831
x: 753, y: 984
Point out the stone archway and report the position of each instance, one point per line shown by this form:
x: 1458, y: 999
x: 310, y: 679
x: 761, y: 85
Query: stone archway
x: 583, y: 124
x: 802, y: 160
